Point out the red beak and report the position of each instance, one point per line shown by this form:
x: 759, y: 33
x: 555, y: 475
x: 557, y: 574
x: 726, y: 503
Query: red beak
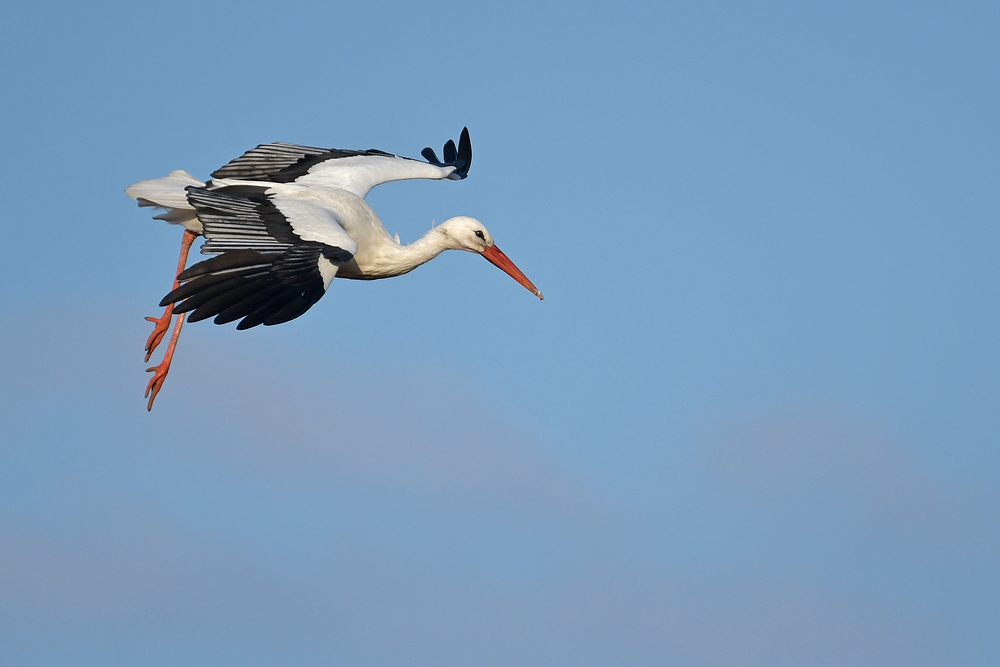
x: 500, y: 260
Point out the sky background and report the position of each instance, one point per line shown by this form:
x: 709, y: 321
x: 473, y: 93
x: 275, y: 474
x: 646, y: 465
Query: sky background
x: 754, y: 422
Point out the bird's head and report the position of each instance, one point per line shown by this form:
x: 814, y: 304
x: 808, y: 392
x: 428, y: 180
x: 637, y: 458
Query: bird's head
x: 465, y: 233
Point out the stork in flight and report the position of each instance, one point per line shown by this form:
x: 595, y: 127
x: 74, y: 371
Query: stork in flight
x: 282, y: 220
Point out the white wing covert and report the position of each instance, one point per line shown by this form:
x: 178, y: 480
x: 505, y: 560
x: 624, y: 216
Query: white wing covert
x: 355, y: 171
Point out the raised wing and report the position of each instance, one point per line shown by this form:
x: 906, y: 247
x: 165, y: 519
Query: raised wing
x: 277, y: 257
x: 284, y: 163
x: 355, y: 171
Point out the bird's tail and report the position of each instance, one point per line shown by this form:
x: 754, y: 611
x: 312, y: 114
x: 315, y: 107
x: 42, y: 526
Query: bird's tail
x: 168, y: 192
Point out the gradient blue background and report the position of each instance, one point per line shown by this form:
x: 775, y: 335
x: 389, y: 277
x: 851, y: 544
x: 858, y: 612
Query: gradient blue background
x: 754, y: 422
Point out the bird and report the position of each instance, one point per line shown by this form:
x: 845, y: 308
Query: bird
x: 282, y: 220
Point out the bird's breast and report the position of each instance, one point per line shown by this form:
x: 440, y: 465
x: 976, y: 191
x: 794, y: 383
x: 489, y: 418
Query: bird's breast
x: 352, y: 271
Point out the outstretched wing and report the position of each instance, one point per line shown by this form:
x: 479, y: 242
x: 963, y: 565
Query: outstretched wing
x: 355, y: 171
x: 277, y: 257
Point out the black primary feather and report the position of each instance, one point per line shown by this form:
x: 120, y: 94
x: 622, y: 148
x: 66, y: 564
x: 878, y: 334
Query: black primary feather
x: 431, y: 157
x: 464, y: 152
x: 261, y: 288
x: 450, y: 152
x: 234, y: 259
x: 460, y: 157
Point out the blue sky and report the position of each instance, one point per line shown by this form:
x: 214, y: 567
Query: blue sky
x: 753, y: 423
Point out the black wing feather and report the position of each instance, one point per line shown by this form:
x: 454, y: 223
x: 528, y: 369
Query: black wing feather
x: 290, y: 311
x: 289, y: 286
x: 283, y: 163
x: 228, y: 299
x: 460, y: 157
x: 234, y: 259
x: 267, y: 160
x: 261, y: 314
x: 239, y: 217
x: 464, y: 152
x: 431, y: 157
x: 249, y: 304
x: 207, y: 280
x: 450, y: 152
x: 195, y: 301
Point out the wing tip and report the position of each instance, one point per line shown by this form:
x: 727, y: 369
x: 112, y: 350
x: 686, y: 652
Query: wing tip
x: 459, y: 156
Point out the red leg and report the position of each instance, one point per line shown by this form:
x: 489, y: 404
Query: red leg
x: 162, y: 323
x: 160, y: 372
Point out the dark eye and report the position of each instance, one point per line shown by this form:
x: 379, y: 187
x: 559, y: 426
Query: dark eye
x: 480, y: 235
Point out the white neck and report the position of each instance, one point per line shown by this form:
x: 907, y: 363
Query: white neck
x: 427, y: 247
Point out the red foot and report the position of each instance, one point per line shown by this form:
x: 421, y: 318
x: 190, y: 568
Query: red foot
x: 160, y: 372
x: 160, y: 326
x: 153, y: 388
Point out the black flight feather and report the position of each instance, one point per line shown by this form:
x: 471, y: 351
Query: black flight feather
x: 460, y: 157
x: 450, y: 152
x: 231, y: 297
x: 233, y: 259
x: 292, y: 310
x: 274, y: 288
x: 464, y: 153
x: 206, y: 294
x: 195, y: 286
x: 270, y: 308
x: 249, y: 304
x: 431, y: 156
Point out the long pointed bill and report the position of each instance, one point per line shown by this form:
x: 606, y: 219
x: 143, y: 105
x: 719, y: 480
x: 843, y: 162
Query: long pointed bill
x: 501, y: 261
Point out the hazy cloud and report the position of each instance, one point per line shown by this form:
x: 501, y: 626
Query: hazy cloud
x: 265, y: 513
x: 826, y: 451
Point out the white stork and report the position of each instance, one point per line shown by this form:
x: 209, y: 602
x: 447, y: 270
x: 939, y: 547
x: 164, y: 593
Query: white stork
x: 282, y: 220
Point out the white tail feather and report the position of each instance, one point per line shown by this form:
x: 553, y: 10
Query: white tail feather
x: 168, y: 192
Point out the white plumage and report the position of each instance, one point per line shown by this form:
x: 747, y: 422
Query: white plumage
x: 168, y: 192
x: 283, y: 220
